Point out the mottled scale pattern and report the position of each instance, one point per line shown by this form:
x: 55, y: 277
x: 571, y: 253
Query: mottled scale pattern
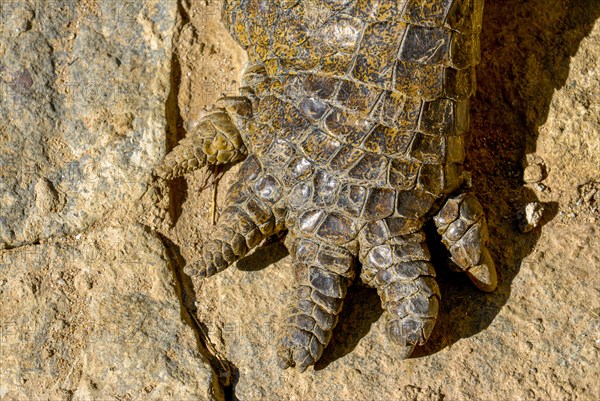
x: 352, y: 121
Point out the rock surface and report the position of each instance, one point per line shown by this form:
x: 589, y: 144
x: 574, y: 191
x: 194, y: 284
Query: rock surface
x: 537, y: 337
x: 530, y: 216
x: 533, y: 173
x: 97, y: 315
x: 84, y: 86
x: 97, y: 318
x: 89, y: 309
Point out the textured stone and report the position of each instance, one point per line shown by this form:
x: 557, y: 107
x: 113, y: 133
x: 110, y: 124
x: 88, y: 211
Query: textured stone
x: 83, y: 91
x: 535, y: 338
x: 530, y: 216
x: 533, y: 174
x: 97, y: 317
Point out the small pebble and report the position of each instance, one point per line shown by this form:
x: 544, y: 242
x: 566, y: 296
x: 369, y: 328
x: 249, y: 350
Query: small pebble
x: 530, y: 216
x: 588, y: 197
x: 533, y: 174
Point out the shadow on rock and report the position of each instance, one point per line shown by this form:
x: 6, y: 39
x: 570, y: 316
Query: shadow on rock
x: 362, y: 308
x: 263, y: 257
x: 526, y: 51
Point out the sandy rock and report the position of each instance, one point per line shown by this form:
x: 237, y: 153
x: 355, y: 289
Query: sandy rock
x: 569, y: 136
x: 530, y: 216
x: 87, y: 110
x: 536, y: 336
x: 533, y: 173
x: 83, y: 88
x: 534, y: 169
x: 97, y: 318
x: 589, y: 193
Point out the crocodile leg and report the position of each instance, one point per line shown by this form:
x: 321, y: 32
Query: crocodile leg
x: 463, y: 227
x: 216, y: 140
x: 322, y: 273
x: 399, y: 268
x: 251, y: 214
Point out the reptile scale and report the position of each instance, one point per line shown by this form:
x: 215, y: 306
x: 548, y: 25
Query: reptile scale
x: 350, y: 128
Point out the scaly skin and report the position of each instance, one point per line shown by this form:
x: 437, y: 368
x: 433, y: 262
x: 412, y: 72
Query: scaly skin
x: 353, y: 126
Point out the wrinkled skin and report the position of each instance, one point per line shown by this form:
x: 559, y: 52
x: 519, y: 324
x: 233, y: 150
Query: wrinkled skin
x: 351, y: 130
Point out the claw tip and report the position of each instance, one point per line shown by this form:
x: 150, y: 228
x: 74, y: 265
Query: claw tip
x: 406, y: 351
x: 284, y: 359
x: 484, y: 277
